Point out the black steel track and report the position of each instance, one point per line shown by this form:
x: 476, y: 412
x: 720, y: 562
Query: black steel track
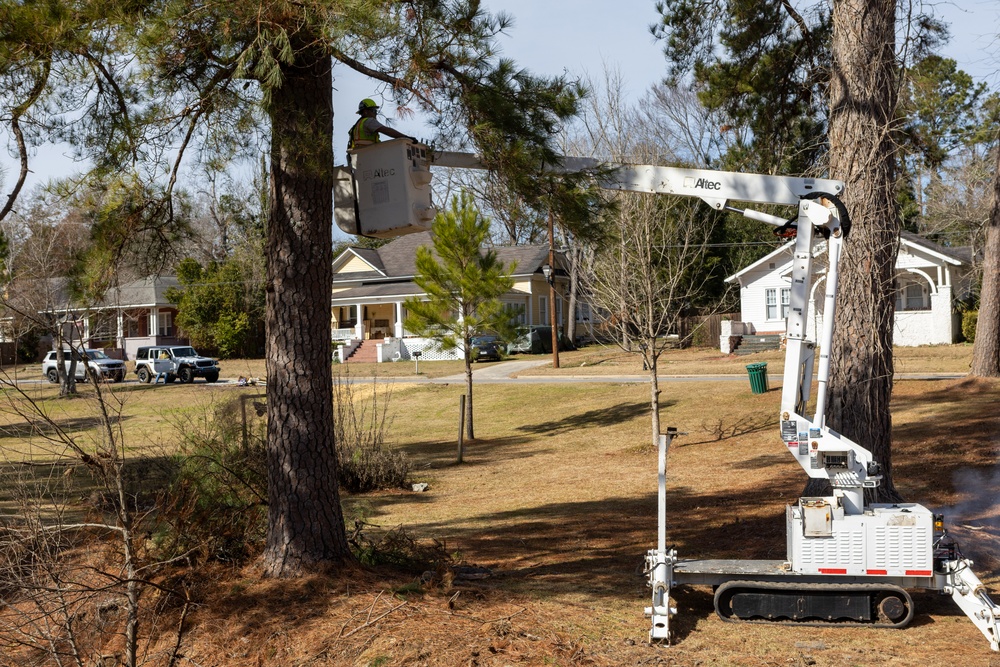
x: 787, y: 603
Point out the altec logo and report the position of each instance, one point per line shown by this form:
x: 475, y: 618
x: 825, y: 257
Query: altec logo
x: 706, y: 184
x: 369, y: 174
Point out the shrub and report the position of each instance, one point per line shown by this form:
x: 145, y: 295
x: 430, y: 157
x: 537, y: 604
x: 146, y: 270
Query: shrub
x: 969, y: 320
x: 217, y: 503
x: 361, y: 421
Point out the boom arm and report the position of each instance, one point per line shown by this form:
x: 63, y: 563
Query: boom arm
x: 821, y: 452
x: 386, y: 193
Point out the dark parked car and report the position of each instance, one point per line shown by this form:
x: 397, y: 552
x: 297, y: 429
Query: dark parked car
x: 536, y: 339
x: 486, y: 348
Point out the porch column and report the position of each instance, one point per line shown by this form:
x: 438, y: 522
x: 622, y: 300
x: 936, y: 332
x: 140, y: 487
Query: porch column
x: 359, y: 326
x: 121, y: 330
x: 945, y: 325
x: 154, y: 323
x: 399, y: 319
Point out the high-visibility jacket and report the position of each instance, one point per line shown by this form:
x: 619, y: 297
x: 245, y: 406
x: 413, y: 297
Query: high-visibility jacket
x: 360, y: 136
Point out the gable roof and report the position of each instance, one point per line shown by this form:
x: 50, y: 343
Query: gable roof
x: 954, y: 256
x: 141, y: 293
x: 766, y: 258
x: 398, y: 259
x: 150, y: 291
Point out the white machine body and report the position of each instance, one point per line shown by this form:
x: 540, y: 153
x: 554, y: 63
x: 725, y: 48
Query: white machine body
x: 885, y: 540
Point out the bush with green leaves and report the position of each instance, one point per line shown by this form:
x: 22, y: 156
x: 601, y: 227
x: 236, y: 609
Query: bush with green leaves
x: 969, y: 320
x: 217, y: 504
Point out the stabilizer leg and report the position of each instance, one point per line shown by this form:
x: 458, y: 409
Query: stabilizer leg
x: 971, y: 596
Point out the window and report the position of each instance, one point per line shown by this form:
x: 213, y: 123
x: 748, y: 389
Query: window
x: 515, y: 312
x: 164, y: 323
x: 132, y: 325
x: 911, y: 296
x: 543, y: 308
x: 771, y: 303
x: 104, y: 327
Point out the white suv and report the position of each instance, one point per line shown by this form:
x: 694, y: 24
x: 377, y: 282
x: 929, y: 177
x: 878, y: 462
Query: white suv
x: 103, y: 365
x: 177, y: 362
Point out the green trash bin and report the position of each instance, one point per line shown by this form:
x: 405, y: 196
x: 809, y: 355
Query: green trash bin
x: 758, y: 377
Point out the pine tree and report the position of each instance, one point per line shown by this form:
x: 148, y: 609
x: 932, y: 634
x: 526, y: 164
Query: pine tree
x: 141, y: 82
x: 463, y: 283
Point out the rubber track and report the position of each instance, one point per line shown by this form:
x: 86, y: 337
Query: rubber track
x: 805, y: 588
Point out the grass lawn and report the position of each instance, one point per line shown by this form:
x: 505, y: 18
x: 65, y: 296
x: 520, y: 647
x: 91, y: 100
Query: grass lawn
x: 557, y: 497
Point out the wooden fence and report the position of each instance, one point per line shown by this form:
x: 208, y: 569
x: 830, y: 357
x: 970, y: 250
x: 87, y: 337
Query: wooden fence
x: 704, y: 330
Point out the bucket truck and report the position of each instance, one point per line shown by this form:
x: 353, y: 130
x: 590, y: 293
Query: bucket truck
x: 848, y: 562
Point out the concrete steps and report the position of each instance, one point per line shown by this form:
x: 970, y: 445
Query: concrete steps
x: 752, y: 343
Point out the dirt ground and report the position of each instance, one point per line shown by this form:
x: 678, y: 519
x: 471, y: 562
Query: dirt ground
x: 551, y: 515
x: 565, y: 584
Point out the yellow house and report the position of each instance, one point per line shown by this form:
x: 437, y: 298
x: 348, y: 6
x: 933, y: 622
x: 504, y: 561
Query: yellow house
x: 370, y: 287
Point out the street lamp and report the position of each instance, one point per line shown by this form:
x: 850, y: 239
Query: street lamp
x: 548, y: 273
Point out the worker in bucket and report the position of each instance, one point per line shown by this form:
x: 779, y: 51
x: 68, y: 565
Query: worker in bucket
x: 366, y: 131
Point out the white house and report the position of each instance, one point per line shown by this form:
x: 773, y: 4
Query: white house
x: 929, y: 280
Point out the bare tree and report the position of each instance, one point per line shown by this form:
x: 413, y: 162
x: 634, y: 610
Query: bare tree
x: 958, y: 205
x: 37, y: 294
x: 646, y: 278
x: 70, y: 587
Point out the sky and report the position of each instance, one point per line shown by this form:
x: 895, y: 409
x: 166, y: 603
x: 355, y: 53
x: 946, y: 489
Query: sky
x: 579, y: 38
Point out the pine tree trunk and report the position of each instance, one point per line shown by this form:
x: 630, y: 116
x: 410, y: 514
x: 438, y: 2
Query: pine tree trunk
x: 305, y: 523
x: 986, y: 349
x: 863, y: 98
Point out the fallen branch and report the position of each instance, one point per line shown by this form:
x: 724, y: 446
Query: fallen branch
x: 371, y: 622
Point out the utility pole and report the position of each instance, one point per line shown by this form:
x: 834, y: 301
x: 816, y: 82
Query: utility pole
x: 551, y: 278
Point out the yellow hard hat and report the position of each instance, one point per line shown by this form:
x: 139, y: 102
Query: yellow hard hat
x: 366, y: 103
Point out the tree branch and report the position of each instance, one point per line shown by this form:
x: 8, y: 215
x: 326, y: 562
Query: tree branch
x: 22, y: 148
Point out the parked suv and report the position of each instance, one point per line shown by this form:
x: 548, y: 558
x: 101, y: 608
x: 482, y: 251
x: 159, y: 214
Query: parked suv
x: 179, y: 362
x: 102, y: 364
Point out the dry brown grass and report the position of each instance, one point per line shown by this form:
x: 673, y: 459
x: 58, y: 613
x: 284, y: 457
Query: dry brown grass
x: 557, y: 498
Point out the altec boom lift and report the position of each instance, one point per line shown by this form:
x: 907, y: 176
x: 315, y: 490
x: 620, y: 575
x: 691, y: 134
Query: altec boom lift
x: 847, y: 562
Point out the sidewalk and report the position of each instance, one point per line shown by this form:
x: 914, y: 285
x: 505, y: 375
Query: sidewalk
x: 502, y: 372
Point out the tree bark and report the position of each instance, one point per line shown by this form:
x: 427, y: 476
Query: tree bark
x: 863, y: 98
x: 986, y: 348
x: 305, y: 521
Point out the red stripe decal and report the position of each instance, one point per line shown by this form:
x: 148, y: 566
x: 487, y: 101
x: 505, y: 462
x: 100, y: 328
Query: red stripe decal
x: 832, y: 570
x: 918, y: 573
x: 878, y: 571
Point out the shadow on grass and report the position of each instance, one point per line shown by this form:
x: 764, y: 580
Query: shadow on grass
x: 36, y: 428
x: 71, y: 490
x: 615, y: 414
x: 434, y: 454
